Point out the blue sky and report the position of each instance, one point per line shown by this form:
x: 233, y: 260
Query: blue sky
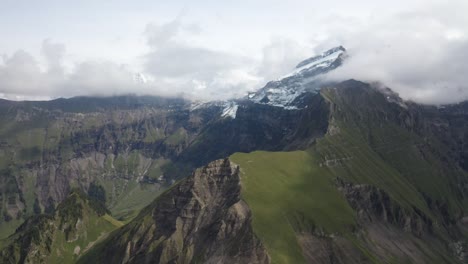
x: 215, y: 49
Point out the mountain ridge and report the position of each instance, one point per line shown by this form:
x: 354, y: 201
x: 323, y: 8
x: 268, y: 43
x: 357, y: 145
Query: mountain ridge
x: 201, y: 219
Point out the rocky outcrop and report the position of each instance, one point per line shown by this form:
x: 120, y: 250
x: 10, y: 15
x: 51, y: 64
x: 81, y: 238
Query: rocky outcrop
x: 200, y: 220
x: 330, y: 249
x: 375, y: 205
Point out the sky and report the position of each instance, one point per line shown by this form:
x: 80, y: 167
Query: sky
x: 217, y: 50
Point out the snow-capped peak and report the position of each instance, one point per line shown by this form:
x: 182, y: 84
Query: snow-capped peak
x: 322, y: 61
x: 329, y: 54
x: 287, y: 91
x: 284, y: 91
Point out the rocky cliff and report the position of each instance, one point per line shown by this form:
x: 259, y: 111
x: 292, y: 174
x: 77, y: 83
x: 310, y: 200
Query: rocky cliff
x: 202, y: 219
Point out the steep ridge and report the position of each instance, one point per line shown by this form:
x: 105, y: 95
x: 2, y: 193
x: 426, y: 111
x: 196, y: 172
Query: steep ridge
x: 202, y: 219
x: 396, y: 173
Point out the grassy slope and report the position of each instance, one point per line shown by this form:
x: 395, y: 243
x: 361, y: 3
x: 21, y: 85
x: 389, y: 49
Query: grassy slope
x: 288, y: 193
x: 383, y: 153
x: 352, y: 159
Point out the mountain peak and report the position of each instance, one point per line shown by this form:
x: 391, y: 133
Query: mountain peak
x: 284, y: 91
x: 334, y: 52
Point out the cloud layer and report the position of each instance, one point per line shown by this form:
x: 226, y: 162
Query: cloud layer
x: 421, y: 53
x: 173, y: 66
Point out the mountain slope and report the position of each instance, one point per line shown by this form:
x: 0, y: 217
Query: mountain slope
x: 199, y: 220
x: 377, y: 188
x: 287, y: 194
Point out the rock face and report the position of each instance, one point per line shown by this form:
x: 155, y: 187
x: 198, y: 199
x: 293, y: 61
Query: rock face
x: 200, y: 220
x: 375, y: 205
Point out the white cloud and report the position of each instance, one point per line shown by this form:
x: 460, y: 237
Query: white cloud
x: 54, y: 54
x: 422, y: 54
x: 280, y: 56
x: 186, y: 68
x: 22, y: 77
x: 21, y: 74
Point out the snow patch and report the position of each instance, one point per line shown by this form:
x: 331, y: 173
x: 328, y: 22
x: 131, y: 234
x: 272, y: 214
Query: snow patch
x: 324, y: 60
x: 230, y: 110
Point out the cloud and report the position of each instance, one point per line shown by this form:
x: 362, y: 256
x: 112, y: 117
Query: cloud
x: 421, y: 54
x: 21, y: 76
x: 54, y: 54
x: 158, y: 35
x: 173, y: 66
x: 185, y: 68
x: 280, y: 56
x: 99, y: 78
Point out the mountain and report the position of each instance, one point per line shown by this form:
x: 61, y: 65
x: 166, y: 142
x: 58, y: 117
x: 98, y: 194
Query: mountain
x: 202, y: 219
x: 121, y: 145
x: 301, y: 171
x: 384, y: 185
x: 134, y: 147
x: 286, y: 91
x: 376, y: 187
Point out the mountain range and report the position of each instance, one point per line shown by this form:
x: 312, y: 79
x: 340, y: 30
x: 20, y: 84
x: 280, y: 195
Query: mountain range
x: 304, y: 170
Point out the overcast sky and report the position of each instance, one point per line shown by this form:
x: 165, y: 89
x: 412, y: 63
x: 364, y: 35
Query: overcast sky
x: 220, y: 49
